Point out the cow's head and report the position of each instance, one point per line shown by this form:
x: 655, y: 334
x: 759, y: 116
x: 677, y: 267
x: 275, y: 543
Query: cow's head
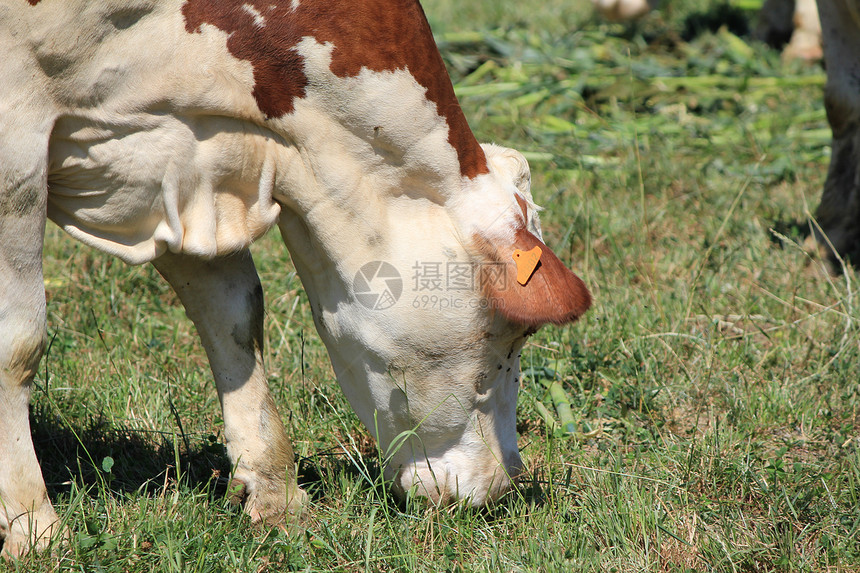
x: 424, y: 317
x: 419, y: 249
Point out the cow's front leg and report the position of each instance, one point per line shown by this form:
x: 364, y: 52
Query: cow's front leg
x: 27, y: 518
x: 224, y: 299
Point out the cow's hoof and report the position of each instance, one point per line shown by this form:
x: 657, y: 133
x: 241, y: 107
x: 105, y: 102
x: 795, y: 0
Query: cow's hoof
x: 297, y: 504
x: 15, y: 547
x: 622, y: 10
x: 804, y: 46
x: 17, y: 541
x: 821, y: 263
x: 268, y: 505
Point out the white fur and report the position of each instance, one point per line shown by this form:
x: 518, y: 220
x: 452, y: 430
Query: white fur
x: 259, y: 19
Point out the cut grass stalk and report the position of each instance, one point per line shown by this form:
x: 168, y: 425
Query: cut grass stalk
x: 561, y: 401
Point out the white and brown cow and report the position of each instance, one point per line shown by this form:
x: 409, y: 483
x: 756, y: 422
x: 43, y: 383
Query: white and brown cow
x: 177, y: 132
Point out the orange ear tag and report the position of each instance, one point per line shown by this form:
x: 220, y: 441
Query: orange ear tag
x: 527, y: 262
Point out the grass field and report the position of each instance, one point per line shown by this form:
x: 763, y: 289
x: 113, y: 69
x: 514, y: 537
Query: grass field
x: 713, y: 386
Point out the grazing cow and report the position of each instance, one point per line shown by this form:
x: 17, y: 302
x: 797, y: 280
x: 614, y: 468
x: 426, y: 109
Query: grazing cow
x: 778, y: 20
x: 838, y: 214
x: 177, y: 132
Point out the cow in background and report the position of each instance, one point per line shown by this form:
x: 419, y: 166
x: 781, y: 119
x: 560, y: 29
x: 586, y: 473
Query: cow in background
x: 797, y: 19
x: 177, y: 132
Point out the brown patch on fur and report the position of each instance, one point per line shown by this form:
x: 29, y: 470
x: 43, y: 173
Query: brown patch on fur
x: 279, y: 454
x: 26, y: 354
x: 249, y: 334
x: 379, y: 35
x: 20, y: 199
x: 237, y: 492
x: 523, y: 206
x: 276, y: 488
x: 553, y: 294
x: 481, y: 383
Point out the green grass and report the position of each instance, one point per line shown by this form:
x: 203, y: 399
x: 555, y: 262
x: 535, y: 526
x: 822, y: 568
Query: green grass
x: 713, y: 386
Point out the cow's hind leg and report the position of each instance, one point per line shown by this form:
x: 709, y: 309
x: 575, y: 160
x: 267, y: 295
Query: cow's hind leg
x: 27, y: 518
x: 805, y: 41
x: 224, y: 299
x: 839, y: 210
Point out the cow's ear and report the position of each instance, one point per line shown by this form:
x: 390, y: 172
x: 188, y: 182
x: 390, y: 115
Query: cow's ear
x: 526, y: 282
x: 515, y: 168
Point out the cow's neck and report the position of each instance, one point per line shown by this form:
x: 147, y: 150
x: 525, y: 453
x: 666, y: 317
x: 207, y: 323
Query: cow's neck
x: 363, y: 154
